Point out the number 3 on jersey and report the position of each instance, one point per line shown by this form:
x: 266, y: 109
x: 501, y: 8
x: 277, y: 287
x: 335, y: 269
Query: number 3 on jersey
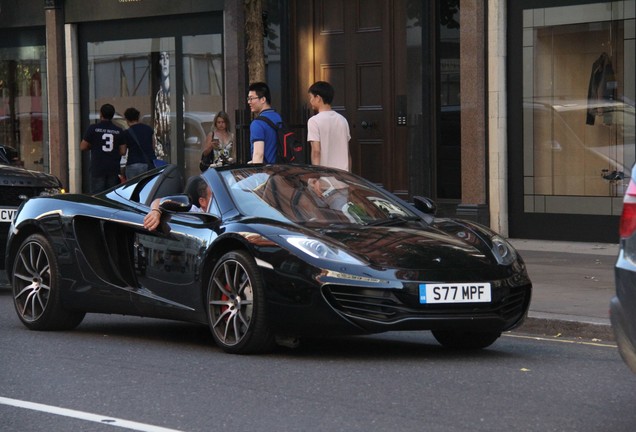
x: 108, y: 140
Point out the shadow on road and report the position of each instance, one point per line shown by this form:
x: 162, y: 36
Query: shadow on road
x: 406, y: 345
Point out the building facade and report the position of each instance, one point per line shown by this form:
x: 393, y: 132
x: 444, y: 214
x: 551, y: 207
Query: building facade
x: 515, y: 114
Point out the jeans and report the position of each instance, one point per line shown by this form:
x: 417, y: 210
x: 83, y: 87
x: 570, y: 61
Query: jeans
x: 133, y: 170
x: 101, y: 183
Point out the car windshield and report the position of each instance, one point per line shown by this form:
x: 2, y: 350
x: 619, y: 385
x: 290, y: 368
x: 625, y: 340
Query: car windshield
x: 312, y: 195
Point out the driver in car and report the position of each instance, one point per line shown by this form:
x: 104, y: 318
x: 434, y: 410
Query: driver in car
x: 200, y: 196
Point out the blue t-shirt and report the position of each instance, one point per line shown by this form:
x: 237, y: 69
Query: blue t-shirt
x: 144, y: 134
x: 261, y: 131
x: 105, y: 139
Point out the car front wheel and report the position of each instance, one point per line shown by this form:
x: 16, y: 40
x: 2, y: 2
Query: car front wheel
x: 36, y: 288
x: 465, y: 339
x: 236, y: 305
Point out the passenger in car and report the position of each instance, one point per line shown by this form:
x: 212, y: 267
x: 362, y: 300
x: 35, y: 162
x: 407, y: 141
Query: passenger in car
x: 331, y: 192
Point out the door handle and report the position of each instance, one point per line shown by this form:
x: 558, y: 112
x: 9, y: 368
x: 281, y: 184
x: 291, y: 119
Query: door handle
x: 367, y: 125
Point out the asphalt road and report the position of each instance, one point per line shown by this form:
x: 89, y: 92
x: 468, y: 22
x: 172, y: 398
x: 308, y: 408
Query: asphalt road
x: 144, y: 374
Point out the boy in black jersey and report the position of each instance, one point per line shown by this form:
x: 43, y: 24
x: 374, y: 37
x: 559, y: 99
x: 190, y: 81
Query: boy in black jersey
x: 104, y: 140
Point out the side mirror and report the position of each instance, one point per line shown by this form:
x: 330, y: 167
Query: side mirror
x: 425, y: 205
x: 175, y: 204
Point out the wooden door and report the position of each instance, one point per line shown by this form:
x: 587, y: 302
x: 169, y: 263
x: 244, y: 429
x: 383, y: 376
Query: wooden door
x: 352, y: 51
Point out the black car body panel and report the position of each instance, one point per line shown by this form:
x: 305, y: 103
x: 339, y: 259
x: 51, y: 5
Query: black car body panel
x: 368, y: 279
x: 16, y: 185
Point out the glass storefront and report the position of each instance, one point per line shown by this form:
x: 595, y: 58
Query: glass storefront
x: 23, y: 119
x: 203, y: 93
x: 175, y: 81
x: 578, y: 107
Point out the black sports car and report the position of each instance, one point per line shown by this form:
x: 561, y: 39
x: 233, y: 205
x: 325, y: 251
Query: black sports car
x: 284, y: 251
x: 16, y: 185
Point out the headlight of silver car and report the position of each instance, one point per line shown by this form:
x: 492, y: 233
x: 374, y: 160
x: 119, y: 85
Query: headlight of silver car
x: 319, y: 249
x: 503, y: 251
x: 51, y: 191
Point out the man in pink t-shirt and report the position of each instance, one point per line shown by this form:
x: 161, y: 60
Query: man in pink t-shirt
x: 327, y: 131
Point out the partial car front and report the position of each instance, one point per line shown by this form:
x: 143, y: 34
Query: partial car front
x: 16, y: 186
x: 623, y: 305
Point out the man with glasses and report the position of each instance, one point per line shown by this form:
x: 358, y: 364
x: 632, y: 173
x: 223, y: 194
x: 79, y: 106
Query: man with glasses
x: 263, y: 138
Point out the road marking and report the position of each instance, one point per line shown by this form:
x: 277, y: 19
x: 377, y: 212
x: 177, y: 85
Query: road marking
x: 105, y: 420
x: 606, y: 345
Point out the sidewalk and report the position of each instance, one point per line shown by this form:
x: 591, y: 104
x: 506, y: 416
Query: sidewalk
x: 572, y: 287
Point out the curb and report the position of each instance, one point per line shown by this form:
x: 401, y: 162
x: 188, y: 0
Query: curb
x: 567, y: 326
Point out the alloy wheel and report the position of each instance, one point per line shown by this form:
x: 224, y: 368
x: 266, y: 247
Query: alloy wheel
x: 32, y: 281
x: 231, y: 302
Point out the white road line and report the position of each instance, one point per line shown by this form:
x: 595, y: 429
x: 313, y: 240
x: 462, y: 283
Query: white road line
x: 105, y: 420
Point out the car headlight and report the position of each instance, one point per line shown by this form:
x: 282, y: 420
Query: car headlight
x: 319, y: 249
x: 51, y: 191
x: 503, y: 251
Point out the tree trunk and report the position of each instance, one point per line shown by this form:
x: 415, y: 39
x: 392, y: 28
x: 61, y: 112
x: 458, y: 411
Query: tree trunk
x: 255, y: 52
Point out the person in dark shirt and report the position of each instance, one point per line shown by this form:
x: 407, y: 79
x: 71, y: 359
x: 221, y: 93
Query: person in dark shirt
x: 103, y: 140
x: 139, y: 141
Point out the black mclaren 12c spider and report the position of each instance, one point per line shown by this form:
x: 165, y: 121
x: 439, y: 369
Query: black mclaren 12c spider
x: 284, y: 251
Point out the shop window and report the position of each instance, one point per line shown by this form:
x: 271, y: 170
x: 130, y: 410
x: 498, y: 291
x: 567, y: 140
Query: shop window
x: 135, y: 73
x: 23, y: 118
x: 142, y: 73
x: 202, y: 92
x: 578, y: 107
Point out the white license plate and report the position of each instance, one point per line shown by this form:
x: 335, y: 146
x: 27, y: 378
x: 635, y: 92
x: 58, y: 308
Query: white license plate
x: 455, y: 293
x: 7, y: 214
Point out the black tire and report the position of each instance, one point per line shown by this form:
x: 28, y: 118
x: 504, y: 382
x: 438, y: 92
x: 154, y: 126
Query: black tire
x: 465, y: 339
x: 236, y: 306
x: 36, y: 287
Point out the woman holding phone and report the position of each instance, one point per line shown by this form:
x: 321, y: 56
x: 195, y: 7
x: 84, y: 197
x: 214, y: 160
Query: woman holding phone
x: 219, y: 143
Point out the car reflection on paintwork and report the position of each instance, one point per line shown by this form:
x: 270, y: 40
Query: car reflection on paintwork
x: 570, y: 136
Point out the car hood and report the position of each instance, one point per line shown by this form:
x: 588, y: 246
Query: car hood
x: 412, y: 249
x: 16, y: 176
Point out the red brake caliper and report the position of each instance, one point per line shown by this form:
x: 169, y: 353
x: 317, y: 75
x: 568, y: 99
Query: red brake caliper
x: 224, y: 297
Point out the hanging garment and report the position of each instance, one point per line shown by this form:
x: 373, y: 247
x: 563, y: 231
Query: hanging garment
x: 602, y: 88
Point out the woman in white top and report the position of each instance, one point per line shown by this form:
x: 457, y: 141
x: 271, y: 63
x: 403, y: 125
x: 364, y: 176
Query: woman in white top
x: 220, y: 140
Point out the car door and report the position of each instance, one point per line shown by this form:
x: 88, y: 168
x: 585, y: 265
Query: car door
x: 168, y: 265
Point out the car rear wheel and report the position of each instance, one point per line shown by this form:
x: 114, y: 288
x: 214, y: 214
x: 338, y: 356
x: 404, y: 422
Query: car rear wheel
x: 465, y: 339
x: 236, y: 305
x: 36, y: 288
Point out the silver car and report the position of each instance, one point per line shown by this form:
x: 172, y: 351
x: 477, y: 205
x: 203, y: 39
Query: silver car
x: 623, y: 305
